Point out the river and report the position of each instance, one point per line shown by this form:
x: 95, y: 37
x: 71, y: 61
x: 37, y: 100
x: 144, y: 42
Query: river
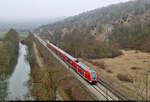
x: 17, y: 83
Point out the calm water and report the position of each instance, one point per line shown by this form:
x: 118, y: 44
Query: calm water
x: 17, y: 83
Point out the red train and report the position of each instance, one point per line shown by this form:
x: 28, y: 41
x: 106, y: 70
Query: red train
x: 83, y: 70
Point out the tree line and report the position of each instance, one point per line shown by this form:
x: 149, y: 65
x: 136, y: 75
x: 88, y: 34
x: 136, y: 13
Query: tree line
x: 136, y: 36
x: 9, y: 51
x: 88, y: 47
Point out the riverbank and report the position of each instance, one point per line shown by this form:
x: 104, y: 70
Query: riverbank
x: 9, y: 52
x: 8, y: 59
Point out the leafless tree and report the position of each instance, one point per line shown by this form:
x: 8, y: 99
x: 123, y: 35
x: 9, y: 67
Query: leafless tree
x: 138, y: 84
x: 53, y: 80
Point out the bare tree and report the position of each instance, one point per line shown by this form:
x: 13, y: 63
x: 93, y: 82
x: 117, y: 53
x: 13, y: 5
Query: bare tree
x: 53, y: 80
x: 139, y: 85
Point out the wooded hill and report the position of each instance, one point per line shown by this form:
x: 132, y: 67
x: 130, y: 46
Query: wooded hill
x: 124, y: 25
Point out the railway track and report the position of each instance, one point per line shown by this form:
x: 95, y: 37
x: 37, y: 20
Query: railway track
x: 101, y: 91
x: 102, y: 88
x: 113, y: 90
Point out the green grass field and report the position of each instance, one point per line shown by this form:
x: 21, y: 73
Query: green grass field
x: 2, y: 34
x: 21, y: 34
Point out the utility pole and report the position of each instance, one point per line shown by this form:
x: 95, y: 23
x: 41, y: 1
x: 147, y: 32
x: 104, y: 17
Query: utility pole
x: 146, y: 85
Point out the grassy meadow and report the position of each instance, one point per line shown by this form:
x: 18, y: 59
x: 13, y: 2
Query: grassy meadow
x: 2, y: 34
x: 21, y: 34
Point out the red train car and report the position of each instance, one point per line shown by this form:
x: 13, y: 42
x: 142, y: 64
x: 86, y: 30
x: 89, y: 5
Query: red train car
x: 83, y: 70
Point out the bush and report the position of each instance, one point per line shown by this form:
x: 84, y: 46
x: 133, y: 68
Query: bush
x: 134, y: 68
x: 109, y: 71
x: 125, y: 78
x: 100, y: 64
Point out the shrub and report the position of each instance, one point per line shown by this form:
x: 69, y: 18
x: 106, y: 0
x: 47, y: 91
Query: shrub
x: 125, y: 78
x: 109, y: 71
x: 134, y: 68
x: 99, y: 64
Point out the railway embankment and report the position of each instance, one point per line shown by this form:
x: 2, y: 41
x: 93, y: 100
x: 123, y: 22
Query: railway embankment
x: 50, y: 78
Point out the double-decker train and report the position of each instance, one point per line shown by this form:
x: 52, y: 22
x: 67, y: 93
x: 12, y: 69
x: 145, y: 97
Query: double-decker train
x: 83, y: 70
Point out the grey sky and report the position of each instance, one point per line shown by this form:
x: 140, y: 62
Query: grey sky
x: 35, y: 9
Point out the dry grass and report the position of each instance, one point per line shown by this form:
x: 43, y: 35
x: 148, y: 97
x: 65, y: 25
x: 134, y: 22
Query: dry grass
x: 2, y: 34
x: 99, y: 64
x: 129, y: 64
x: 109, y: 71
x: 125, y: 78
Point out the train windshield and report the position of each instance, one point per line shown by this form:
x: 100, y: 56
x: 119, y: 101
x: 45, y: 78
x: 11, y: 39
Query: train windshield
x: 76, y: 61
x: 93, y: 75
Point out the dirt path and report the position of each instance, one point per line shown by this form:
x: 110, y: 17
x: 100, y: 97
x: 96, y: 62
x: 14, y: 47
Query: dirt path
x: 58, y: 97
x: 40, y: 63
x: 37, y: 55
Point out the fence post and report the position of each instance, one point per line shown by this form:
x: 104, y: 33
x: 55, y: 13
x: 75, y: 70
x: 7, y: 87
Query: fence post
x: 146, y: 85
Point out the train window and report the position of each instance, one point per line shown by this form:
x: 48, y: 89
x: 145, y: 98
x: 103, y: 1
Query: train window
x: 76, y: 61
x: 82, y: 68
x: 93, y: 75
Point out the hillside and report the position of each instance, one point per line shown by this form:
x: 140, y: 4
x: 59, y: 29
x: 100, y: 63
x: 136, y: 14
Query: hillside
x: 124, y: 25
x: 94, y: 23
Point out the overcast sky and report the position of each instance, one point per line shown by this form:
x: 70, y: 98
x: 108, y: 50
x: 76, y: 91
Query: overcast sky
x: 35, y: 9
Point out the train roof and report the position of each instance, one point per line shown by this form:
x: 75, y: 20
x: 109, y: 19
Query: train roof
x: 85, y: 67
x: 69, y: 56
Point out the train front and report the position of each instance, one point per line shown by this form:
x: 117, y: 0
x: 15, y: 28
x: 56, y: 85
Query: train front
x: 94, y: 77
